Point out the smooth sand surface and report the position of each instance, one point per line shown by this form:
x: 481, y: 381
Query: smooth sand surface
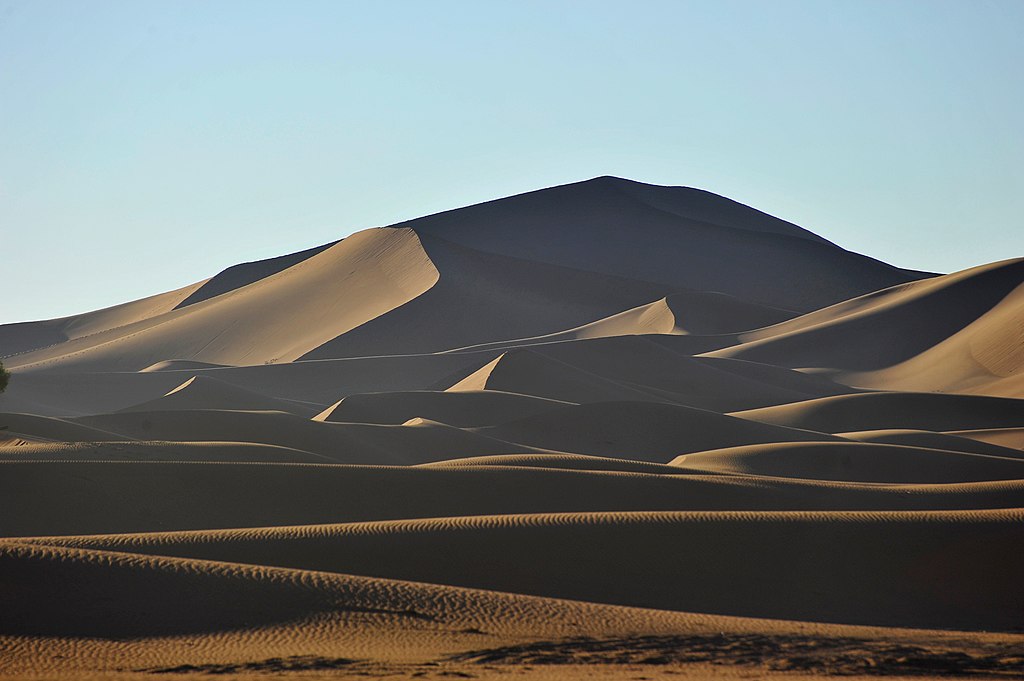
x: 601, y: 431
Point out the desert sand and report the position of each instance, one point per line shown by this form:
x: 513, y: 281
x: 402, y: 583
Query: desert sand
x: 602, y: 430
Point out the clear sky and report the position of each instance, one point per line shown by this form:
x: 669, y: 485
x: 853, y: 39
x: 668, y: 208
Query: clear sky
x: 148, y: 145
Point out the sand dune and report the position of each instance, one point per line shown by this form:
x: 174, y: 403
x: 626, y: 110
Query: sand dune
x: 143, y: 450
x: 204, y: 392
x: 640, y: 430
x: 181, y: 365
x: 237, y: 276
x: 61, y: 430
x: 278, y: 620
x: 1004, y: 437
x: 258, y: 323
x: 970, y: 342
x: 88, y: 497
x: 481, y: 297
x: 577, y: 462
x: 874, y: 411
x: 855, y: 462
x: 638, y: 368
x: 706, y: 314
x: 844, y: 568
x: 340, y: 442
x: 461, y: 409
x: 689, y: 239
x: 606, y: 429
x: 348, y: 443
x: 321, y: 382
x: 932, y: 440
x: 28, y: 336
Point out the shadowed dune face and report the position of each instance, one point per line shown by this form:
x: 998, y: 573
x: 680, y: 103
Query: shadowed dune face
x: 607, y: 425
x: 701, y: 242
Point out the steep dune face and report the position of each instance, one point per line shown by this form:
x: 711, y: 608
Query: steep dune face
x: 276, y: 319
x: 631, y: 396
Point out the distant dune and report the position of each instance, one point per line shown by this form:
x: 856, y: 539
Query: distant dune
x: 602, y: 430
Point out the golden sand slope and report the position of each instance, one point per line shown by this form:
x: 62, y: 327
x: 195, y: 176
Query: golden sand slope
x: 961, y: 332
x: 276, y: 319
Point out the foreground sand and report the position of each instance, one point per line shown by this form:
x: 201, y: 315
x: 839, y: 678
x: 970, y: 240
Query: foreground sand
x: 606, y: 430
x: 102, y: 612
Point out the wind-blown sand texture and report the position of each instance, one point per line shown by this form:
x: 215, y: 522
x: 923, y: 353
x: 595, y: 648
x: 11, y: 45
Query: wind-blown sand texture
x: 603, y: 430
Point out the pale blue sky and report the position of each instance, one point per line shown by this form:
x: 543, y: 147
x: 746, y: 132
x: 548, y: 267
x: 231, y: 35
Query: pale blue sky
x: 147, y: 145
